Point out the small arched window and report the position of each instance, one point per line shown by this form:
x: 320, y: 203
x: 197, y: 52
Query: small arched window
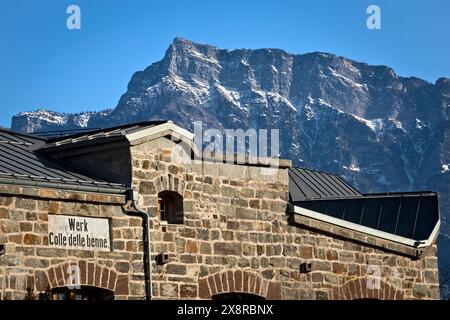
x: 170, y: 207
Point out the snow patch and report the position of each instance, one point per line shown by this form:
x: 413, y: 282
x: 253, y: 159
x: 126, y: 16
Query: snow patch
x: 231, y: 95
x: 375, y: 125
x: 309, y: 112
x: 175, y: 82
x: 244, y: 62
x: 353, y: 166
x: 204, y: 58
x: 326, y: 104
x: 47, y: 116
x: 419, y: 124
x: 82, y: 120
x: 397, y: 124
x: 278, y: 97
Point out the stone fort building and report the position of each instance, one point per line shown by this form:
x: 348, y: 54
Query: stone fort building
x: 108, y: 214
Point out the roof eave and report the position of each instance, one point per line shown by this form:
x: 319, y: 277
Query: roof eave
x: 161, y: 130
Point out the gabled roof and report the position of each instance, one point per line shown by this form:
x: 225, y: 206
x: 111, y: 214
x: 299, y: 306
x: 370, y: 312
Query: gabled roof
x: 101, y: 134
x: 32, y: 160
x: 21, y: 164
x: 128, y: 133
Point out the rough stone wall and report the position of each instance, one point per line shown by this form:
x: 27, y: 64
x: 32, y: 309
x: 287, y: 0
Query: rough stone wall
x: 30, y: 263
x: 236, y: 238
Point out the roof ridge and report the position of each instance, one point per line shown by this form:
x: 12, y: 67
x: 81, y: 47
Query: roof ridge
x: 17, y: 143
x: 318, y: 171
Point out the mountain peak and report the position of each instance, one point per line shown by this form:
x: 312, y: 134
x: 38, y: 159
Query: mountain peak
x: 181, y: 41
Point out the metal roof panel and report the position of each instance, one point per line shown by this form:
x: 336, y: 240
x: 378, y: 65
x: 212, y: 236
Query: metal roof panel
x: 309, y: 184
x: 21, y: 164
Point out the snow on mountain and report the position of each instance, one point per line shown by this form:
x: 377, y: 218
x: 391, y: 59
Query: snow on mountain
x: 43, y: 120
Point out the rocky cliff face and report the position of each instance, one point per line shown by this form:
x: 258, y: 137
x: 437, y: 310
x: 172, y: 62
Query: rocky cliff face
x: 44, y: 120
x: 380, y: 131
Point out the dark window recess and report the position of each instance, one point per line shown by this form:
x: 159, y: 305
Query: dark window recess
x: 162, y: 259
x: 170, y: 207
x: 81, y: 293
x: 305, y: 267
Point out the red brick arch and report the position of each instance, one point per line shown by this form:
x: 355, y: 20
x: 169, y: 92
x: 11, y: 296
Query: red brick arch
x: 238, y: 281
x: 90, y: 274
x: 357, y: 289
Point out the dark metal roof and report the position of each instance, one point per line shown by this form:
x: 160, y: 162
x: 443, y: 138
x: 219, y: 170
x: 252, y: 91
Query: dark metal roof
x: 306, y: 184
x: 411, y: 215
x: 99, y: 134
x: 24, y: 161
x: 21, y: 164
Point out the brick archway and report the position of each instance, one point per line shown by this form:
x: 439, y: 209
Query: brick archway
x: 357, y: 289
x: 90, y: 274
x: 238, y: 281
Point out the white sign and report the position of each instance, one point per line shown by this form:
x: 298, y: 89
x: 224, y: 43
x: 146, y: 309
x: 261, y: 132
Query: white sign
x: 81, y: 233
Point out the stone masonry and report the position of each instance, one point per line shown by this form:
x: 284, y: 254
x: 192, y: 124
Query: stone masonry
x: 237, y: 236
x: 30, y: 263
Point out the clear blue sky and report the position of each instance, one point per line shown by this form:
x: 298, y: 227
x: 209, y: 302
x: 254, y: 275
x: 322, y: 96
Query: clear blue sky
x: 45, y: 65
